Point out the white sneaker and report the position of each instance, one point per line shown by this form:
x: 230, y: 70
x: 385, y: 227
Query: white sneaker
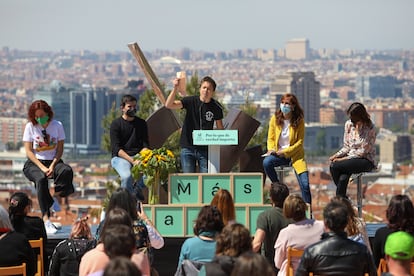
x: 50, y: 228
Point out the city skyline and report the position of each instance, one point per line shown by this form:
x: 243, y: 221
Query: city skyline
x: 219, y: 25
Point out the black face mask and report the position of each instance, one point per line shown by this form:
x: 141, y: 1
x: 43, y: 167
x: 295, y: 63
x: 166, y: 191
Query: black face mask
x: 131, y: 112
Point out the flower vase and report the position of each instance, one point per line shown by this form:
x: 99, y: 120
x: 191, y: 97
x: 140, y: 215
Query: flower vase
x: 154, y: 189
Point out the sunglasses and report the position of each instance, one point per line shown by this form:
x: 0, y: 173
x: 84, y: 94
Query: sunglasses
x: 45, y: 137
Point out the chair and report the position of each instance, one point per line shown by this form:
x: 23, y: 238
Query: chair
x: 13, y: 270
x: 38, y: 244
x: 382, y: 266
x: 292, y: 253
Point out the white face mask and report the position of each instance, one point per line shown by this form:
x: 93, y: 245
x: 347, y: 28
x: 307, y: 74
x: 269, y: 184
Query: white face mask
x: 285, y: 108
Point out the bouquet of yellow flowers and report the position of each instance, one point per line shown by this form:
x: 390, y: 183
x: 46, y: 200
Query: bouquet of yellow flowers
x: 156, y: 165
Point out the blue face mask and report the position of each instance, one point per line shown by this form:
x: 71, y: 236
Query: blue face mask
x: 285, y: 108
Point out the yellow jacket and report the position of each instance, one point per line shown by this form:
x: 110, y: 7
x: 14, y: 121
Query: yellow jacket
x: 295, y: 150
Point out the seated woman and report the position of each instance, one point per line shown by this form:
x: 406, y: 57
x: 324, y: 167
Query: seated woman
x: 117, y: 239
x: 147, y: 235
x: 15, y: 247
x: 299, y: 235
x: 400, y: 217
x: 356, y: 228
x: 250, y: 263
x: 68, y: 253
x: 32, y: 227
x: 233, y: 241
x: 225, y: 204
x: 358, y: 151
x: 202, y: 247
x: 43, y: 140
x: 285, y: 143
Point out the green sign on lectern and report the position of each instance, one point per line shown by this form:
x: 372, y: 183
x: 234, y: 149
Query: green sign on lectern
x: 215, y: 137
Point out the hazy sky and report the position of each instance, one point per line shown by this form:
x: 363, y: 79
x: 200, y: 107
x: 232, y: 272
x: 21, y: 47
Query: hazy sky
x: 205, y: 25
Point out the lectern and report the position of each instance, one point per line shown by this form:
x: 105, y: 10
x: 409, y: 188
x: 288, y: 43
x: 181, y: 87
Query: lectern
x: 214, y: 139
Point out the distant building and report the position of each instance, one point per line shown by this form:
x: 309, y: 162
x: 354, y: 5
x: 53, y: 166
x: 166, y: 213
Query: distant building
x: 297, y: 49
x: 395, y: 148
x: 323, y: 139
x: 305, y: 88
x: 376, y: 87
x: 11, y: 130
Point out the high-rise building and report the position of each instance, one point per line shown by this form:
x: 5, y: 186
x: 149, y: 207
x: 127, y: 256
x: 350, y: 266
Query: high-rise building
x: 304, y: 86
x: 376, y: 87
x: 297, y: 49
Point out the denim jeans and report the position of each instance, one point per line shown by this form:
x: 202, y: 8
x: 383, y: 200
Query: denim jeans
x: 189, y: 158
x: 272, y: 161
x: 123, y: 168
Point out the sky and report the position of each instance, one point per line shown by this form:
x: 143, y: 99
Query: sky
x: 109, y: 25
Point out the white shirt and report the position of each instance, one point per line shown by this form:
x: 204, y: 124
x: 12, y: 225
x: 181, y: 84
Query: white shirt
x: 43, y: 149
x: 284, y: 135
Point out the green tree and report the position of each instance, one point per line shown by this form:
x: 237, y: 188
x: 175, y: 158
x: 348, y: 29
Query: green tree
x: 147, y: 104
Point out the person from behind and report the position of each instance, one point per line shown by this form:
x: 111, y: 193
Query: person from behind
x: 32, y: 227
x: 15, y: 247
x: 68, y: 253
x: 43, y: 140
x: 231, y: 243
x: 299, y: 234
x: 356, y: 228
x: 358, y: 151
x: 121, y: 266
x: 270, y: 222
x: 400, y: 217
x: 285, y: 142
x: 201, y: 113
x: 335, y: 254
x: 399, y: 252
x: 128, y: 135
x: 202, y: 247
x: 223, y: 200
x: 117, y: 239
x: 250, y: 263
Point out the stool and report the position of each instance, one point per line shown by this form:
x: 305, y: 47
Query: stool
x: 280, y: 170
x: 358, y: 177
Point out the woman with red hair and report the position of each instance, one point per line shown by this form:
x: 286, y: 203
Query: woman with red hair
x: 43, y: 140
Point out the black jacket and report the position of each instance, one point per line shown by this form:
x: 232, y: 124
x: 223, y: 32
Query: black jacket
x: 336, y: 255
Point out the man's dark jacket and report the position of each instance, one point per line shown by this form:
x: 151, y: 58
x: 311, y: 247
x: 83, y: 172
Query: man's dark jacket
x: 336, y: 255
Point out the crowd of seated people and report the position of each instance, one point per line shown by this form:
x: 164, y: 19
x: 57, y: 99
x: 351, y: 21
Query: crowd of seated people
x: 217, y: 248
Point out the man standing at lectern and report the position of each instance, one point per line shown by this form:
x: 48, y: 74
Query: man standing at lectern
x: 201, y: 113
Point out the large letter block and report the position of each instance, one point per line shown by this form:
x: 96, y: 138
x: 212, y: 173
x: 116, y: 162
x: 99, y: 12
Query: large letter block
x: 184, y: 189
x: 211, y: 183
x: 248, y: 189
x: 169, y: 221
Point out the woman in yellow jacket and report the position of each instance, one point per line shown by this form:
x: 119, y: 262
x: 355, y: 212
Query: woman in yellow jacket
x: 285, y: 143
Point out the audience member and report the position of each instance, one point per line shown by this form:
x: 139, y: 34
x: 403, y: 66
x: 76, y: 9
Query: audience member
x: 225, y: 204
x: 335, y: 254
x: 147, y: 235
x: 15, y: 247
x: 356, y: 228
x: 32, y: 227
x: 201, y: 113
x: 121, y: 266
x: 270, y: 222
x: 399, y: 252
x: 299, y: 234
x: 233, y: 240
x: 117, y: 239
x: 68, y: 253
x: 400, y: 217
x: 128, y: 135
x: 250, y: 263
x: 43, y: 140
x: 202, y: 246
x: 285, y: 142
x: 358, y: 151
